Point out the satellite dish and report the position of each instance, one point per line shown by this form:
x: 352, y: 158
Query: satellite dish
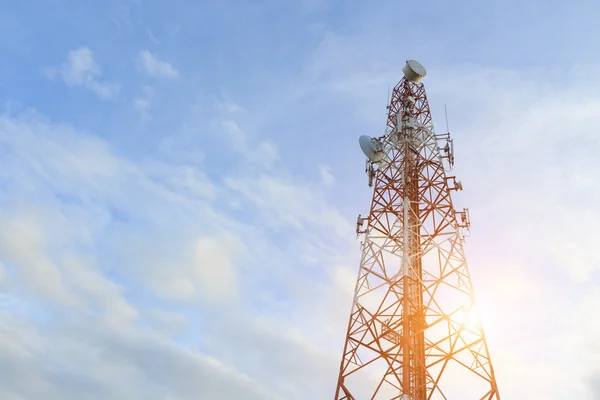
x: 372, y: 148
x: 413, y: 71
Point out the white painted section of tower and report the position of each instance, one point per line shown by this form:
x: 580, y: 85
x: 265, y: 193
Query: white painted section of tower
x: 399, y: 121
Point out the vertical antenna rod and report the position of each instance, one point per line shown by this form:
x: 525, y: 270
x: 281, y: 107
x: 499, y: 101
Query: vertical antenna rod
x: 446, y: 111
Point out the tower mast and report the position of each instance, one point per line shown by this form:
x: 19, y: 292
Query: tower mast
x: 413, y: 333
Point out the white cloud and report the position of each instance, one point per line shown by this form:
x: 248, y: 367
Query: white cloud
x: 281, y: 349
x: 90, y: 284
x: 205, y: 270
x: 290, y: 204
x: 142, y: 104
x: 151, y: 36
x: 169, y: 322
x: 308, y: 230
x: 155, y: 222
x: 226, y: 105
x: 327, y: 177
x: 22, y: 246
x: 156, y: 67
x: 125, y: 365
x: 213, y: 267
x: 85, y: 171
x: 234, y: 134
x: 263, y: 154
x: 60, y: 247
x: 80, y: 69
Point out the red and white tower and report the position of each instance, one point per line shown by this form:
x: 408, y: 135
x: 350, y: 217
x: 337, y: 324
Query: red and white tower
x: 414, y: 332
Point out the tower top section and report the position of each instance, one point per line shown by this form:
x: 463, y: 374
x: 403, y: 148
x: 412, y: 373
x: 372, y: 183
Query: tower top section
x: 413, y: 71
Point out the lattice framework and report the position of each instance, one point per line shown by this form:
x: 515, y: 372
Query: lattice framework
x: 414, y: 329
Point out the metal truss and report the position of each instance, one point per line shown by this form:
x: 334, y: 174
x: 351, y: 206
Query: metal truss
x: 414, y: 332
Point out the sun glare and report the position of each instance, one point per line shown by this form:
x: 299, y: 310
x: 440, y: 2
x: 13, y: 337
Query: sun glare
x: 468, y: 318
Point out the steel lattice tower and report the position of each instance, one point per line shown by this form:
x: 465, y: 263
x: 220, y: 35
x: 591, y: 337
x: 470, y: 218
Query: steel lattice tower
x: 413, y: 332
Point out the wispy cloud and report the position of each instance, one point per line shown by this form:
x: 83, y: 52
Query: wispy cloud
x: 206, y: 259
x: 326, y: 176
x: 80, y: 69
x: 156, y: 67
x: 151, y: 36
x: 142, y: 104
x: 22, y: 243
x: 226, y: 105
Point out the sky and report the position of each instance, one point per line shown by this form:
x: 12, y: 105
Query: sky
x: 180, y: 182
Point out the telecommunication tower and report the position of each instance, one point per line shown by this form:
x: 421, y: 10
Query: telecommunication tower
x: 414, y: 332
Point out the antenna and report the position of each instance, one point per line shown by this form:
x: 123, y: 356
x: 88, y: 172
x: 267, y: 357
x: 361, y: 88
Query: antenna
x: 387, y: 104
x: 387, y: 99
x: 446, y: 111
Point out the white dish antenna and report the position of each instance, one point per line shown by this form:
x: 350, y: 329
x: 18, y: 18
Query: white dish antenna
x: 372, y: 148
x: 413, y: 71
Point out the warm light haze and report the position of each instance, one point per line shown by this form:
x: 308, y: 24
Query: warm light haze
x: 180, y: 182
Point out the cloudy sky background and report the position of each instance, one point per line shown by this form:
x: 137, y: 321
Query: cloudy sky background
x: 179, y: 184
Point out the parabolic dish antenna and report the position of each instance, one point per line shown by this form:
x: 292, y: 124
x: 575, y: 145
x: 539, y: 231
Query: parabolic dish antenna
x: 372, y: 148
x: 413, y: 71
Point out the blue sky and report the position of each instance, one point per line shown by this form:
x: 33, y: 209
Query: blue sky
x: 180, y: 182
